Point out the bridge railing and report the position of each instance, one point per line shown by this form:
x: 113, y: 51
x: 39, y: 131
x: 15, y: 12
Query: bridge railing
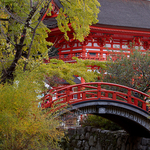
x: 95, y: 91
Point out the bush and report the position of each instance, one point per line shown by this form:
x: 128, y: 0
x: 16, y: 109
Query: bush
x: 22, y: 124
x: 99, y: 122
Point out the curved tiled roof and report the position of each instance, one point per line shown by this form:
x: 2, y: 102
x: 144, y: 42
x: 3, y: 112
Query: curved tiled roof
x: 121, y: 13
x: 50, y: 22
x: 125, y: 13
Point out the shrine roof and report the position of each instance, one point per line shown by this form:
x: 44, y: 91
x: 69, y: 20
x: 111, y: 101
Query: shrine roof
x: 125, y: 13
x: 50, y: 22
x: 58, y: 3
x: 118, y: 13
x: 76, y: 80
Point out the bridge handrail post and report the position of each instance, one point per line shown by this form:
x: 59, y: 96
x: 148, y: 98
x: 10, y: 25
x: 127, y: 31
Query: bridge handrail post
x: 129, y: 96
x: 83, y: 96
x: 50, y: 101
x: 79, y: 89
x: 106, y: 94
x: 136, y: 102
x: 99, y: 90
x: 144, y: 105
x: 114, y: 95
x: 68, y: 95
x: 71, y: 89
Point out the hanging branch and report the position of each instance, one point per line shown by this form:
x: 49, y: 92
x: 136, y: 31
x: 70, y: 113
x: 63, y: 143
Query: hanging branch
x: 6, y: 36
x: 18, y: 47
x: 14, y: 17
x: 34, y: 31
x: 3, y: 66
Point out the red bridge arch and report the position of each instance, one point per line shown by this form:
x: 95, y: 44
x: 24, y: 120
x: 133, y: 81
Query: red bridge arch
x: 120, y: 104
x: 95, y: 90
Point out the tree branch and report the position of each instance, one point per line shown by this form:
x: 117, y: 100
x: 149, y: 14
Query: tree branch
x: 31, y: 3
x: 18, y: 47
x: 6, y: 36
x: 35, y: 32
x: 2, y: 19
x: 146, y: 88
x: 14, y: 17
x: 3, y: 66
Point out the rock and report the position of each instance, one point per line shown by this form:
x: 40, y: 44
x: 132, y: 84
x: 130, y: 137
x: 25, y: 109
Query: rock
x: 77, y: 137
x: 80, y: 130
x: 83, y: 143
x: 148, y: 141
x: 89, y: 138
x: 74, y: 143
x: 79, y: 143
x: 110, y: 147
x: 88, y: 129
x: 91, y: 141
x: 82, y: 137
x: 128, y: 147
x: 144, y: 142
x: 93, y: 148
x: 123, y: 146
x: 144, y: 147
x: 76, y: 149
x: 86, y: 146
x: 94, y: 130
x: 72, y: 131
x: 119, y: 142
x: 87, y: 135
x: 98, y: 145
x: 148, y: 148
x: 95, y: 138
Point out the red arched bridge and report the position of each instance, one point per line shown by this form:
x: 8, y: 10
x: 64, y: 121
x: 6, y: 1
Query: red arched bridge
x: 121, y: 104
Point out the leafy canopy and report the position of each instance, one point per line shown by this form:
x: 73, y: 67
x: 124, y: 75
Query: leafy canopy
x: 80, y: 14
x: 23, y: 34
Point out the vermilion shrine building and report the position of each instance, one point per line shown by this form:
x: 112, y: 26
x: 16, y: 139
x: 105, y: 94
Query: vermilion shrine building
x: 122, y: 24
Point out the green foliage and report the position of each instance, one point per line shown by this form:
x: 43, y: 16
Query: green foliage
x: 22, y: 124
x: 133, y: 71
x: 99, y: 122
x: 66, y: 71
x: 23, y: 35
x: 80, y: 14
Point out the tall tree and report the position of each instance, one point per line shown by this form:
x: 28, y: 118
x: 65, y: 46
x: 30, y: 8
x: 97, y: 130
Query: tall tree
x: 23, y: 34
x: 132, y: 71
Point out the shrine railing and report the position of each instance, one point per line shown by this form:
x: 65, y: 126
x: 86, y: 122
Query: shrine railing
x: 68, y: 57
